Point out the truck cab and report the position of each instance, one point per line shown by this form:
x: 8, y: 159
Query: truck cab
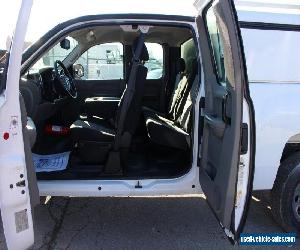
x: 127, y: 105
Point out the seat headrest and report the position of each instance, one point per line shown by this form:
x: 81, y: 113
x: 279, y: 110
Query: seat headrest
x: 180, y: 65
x: 144, y: 53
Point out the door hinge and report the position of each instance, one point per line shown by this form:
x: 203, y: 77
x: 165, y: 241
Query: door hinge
x: 244, y: 139
x: 226, y: 108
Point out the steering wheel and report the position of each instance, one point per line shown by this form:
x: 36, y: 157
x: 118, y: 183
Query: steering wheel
x: 64, y: 77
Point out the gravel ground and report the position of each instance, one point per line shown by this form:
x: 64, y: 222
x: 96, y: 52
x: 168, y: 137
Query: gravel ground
x: 139, y: 223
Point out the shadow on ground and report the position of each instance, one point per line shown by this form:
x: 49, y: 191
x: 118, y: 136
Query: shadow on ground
x: 139, y: 223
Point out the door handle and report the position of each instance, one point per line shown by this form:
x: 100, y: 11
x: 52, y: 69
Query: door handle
x: 225, y: 117
x: 217, y: 125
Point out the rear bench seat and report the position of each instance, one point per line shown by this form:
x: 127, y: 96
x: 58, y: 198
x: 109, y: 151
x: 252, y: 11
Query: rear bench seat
x: 180, y: 79
x: 172, y: 130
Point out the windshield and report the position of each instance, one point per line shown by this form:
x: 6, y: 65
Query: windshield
x: 58, y: 52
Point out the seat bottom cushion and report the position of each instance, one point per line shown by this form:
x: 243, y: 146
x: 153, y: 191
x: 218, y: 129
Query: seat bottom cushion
x: 89, y: 131
x: 165, y: 132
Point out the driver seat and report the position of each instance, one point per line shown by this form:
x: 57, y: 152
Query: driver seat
x: 103, y: 134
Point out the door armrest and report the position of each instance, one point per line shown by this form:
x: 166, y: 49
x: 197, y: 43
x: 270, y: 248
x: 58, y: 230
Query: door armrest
x: 216, y: 125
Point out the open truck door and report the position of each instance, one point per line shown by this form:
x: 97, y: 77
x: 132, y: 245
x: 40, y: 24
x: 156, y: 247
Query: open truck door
x: 18, y: 189
x: 226, y: 155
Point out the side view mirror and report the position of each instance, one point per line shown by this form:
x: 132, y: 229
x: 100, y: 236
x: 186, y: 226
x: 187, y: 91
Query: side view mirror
x: 65, y: 44
x: 78, y: 70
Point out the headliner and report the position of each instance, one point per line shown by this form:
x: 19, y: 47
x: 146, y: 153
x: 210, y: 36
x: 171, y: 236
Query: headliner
x: 174, y: 36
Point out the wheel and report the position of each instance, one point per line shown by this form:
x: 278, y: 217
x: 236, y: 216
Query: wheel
x: 285, y: 194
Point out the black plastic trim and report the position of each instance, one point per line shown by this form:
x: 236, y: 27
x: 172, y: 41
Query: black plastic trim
x: 269, y: 26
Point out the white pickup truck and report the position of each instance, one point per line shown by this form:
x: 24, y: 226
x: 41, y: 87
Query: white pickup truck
x: 271, y: 35
x: 219, y: 117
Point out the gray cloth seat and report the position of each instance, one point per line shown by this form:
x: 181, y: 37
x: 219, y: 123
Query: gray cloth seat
x: 167, y: 133
x: 99, y: 130
x: 179, y: 81
x: 173, y: 130
x: 31, y: 131
x: 32, y: 96
x: 91, y: 131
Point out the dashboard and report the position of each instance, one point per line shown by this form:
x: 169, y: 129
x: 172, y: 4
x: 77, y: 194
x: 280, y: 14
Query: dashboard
x: 42, y: 94
x: 46, y: 81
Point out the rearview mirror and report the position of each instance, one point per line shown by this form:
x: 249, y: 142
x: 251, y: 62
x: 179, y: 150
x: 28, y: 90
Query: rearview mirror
x: 65, y: 44
x: 78, y: 70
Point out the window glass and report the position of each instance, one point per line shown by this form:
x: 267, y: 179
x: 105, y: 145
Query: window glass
x: 155, y: 62
x: 216, y: 44
x: 188, y: 53
x: 103, y: 62
x: 54, y: 54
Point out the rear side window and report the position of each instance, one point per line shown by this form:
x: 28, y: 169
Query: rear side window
x: 155, y: 64
x: 216, y: 44
x: 272, y: 55
x: 103, y: 62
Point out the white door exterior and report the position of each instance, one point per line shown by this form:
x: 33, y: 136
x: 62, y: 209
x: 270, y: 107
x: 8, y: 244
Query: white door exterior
x: 14, y: 194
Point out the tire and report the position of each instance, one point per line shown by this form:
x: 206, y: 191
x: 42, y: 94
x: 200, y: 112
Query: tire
x: 285, y: 194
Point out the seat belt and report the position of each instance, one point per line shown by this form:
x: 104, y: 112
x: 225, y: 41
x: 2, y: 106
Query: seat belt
x: 129, y: 92
x: 113, y: 163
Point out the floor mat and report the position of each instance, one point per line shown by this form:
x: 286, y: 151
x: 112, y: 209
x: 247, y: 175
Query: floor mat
x: 49, y: 163
x: 156, y: 161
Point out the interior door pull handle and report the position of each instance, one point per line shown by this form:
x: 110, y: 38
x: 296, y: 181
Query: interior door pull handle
x: 225, y: 112
x: 217, y: 125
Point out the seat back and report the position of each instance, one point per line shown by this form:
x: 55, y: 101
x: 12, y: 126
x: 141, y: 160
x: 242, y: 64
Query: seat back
x: 135, y: 106
x: 184, y: 88
x: 130, y: 105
